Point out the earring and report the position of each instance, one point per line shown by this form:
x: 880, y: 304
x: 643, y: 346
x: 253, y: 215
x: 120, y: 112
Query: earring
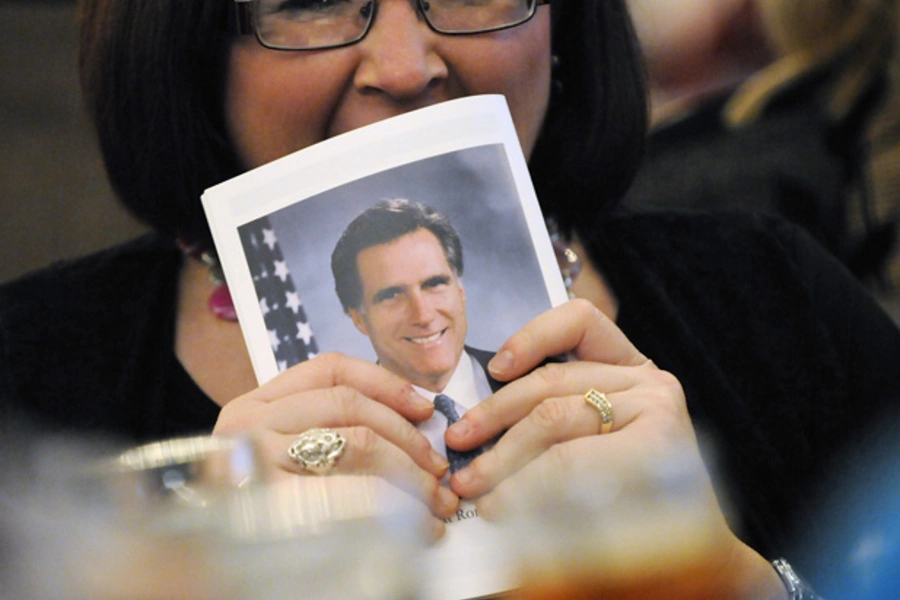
x: 569, y: 262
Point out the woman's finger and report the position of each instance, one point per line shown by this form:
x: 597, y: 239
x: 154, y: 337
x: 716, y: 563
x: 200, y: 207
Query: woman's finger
x: 365, y: 452
x: 653, y: 398
x: 553, y: 421
x: 517, y: 399
x: 649, y: 443
x: 335, y: 369
x: 343, y: 407
x: 577, y: 328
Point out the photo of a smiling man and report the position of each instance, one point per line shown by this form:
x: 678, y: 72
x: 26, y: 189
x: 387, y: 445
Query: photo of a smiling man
x: 398, y: 273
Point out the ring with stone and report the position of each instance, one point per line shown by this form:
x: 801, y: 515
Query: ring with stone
x: 598, y: 400
x: 317, y: 450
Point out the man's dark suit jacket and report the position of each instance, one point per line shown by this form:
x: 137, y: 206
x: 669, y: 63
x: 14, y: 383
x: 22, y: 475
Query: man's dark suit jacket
x: 484, y: 357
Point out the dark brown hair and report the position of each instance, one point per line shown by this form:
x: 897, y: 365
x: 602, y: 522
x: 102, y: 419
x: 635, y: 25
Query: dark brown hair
x: 381, y: 223
x: 154, y: 72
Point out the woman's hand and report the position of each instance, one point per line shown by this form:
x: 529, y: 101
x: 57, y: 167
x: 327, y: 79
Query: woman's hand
x: 373, y: 409
x: 549, y: 426
x: 552, y: 434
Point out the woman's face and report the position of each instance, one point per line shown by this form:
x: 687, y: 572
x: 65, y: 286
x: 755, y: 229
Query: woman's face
x: 278, y: 102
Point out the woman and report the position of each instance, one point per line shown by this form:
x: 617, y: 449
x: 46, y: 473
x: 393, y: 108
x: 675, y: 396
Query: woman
x: 765, y: 342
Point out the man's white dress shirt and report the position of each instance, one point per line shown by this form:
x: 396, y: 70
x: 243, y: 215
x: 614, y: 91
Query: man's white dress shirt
x: 467, y: 386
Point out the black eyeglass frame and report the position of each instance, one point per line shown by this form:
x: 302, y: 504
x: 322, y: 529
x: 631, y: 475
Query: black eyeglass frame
x: 243, y: 24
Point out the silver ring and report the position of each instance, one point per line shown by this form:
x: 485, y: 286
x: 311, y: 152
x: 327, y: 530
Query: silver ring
x: 317, y: 450
x: 598, y: 400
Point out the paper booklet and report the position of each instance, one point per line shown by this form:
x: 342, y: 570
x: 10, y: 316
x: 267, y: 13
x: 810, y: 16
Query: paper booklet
x: 275, y: 228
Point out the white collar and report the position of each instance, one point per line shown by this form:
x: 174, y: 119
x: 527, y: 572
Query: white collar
x: 467, y: 386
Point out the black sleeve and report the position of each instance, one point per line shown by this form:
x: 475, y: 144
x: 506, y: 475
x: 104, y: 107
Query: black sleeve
x: 15, y: 422
x: 865, y: 337
x: 860, y: 491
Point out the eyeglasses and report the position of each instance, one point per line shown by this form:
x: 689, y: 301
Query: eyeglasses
x: 320, y: 24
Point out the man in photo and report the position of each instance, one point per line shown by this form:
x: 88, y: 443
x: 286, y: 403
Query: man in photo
x: 398, y: 274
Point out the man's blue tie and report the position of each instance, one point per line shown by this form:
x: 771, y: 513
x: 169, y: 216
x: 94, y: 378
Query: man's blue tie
x: 457, y: 459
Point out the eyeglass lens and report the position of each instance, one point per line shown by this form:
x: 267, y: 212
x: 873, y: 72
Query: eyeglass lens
x: 310, y: 24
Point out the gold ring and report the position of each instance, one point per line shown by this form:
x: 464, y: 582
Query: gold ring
x: 598, y: 400
x: 317, y: 450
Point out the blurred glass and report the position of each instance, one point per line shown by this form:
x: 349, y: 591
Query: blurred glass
x: 196, y: 519
x: 339, y: 536
x: 646, y: 533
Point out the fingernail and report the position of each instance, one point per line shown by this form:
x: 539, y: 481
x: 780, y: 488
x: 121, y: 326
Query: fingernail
x: 447, y: 498
x: 501, y: 363
x: 463, y: 477
x: 439, y: 461
x: 460, y: 428
x: 417, y: 400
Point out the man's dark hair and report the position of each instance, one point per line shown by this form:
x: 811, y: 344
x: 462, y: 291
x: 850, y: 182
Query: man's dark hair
x: 382, y: 223
x: 154, y: 76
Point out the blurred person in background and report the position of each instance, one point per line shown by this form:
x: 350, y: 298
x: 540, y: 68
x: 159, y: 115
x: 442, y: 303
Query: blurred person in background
x: 782, y: 106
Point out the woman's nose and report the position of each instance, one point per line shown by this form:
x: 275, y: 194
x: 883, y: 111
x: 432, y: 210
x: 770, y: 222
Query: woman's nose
x: 399, y: 54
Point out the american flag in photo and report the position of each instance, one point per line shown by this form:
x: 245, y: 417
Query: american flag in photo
x: 290, y: 334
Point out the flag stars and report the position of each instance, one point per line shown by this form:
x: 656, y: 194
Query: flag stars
x: 269, y: 238
x: 304, y: 332
x: 293, y: 302
x: 281, y: 270
x: 274, y: 342
x: 289, y: 335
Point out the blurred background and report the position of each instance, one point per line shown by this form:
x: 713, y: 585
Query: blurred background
x: 56, y: 202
